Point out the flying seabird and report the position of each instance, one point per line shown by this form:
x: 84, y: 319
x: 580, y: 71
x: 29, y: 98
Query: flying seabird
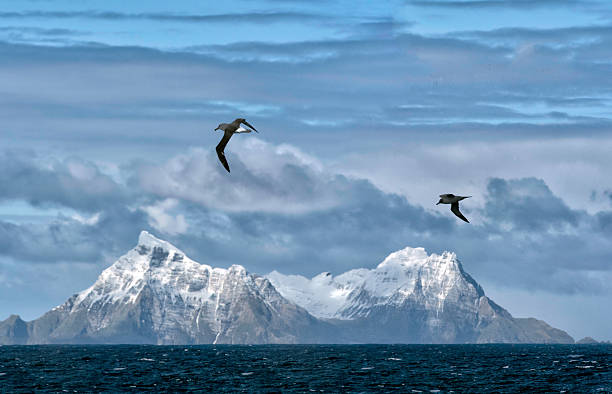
x: 454, y: 201
x: 230, y: 129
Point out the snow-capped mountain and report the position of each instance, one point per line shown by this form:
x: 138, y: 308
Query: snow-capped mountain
x: 411, y: 297
x: 156, y: 294
x: 400, y: 276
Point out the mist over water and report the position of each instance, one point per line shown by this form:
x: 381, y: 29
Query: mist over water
x: 302, y: 368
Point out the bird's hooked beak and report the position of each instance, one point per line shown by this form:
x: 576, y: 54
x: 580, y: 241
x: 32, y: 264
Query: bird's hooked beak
x: 439, y: 202
x: 217, y: 128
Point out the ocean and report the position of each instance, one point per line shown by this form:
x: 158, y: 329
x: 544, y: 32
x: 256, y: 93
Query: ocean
x: 307, y: 368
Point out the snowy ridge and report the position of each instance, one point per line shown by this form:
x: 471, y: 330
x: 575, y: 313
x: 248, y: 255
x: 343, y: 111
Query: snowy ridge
x: 404, y: 274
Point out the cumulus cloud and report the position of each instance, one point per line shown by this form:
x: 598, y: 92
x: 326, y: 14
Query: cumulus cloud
x: 162, y: 218
x: 574, y: 167
x: 73, y: 183
x: 528, y: 205
x: 100, y: 238
x: 282, y: 208
x: 266, y: 178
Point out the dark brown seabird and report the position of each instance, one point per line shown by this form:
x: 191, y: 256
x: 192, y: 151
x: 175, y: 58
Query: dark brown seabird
x: 454, y: 201
x: 230, y: 129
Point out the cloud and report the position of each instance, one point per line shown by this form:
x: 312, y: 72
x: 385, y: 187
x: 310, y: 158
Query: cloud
x: 573, y: 165
x: 405, y: 82
x: 486, y: 83
x: 528, y: 205
x: 162, y: 219
x: 71, y: 183
x: 283, y: 208
x: 42, y: 36
x: 287, y: 181
x: 65, y: 239
x: 40, y: 31
x: 512, y: 4
x: 415, y: 113
x: 526, y: 235
x: 252, y: 17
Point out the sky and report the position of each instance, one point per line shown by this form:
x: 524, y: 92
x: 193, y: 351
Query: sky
x: 367, y: 111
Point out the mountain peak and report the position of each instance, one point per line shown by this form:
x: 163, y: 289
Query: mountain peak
x: 13, y: 318
x: 414, y: 257
x: 405, y: 257
x: 149, y: 240
x: 147, y: 243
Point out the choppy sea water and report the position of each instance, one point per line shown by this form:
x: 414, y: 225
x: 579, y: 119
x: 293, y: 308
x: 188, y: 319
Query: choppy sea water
x: 304, y: 368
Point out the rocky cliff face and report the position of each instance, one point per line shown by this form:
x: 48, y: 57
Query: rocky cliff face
x: 156, y: 294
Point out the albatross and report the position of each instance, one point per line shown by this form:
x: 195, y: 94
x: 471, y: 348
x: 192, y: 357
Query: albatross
x: 454, y: 202
x: 230, y: 129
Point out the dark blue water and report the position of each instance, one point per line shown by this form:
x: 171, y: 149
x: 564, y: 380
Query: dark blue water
x: 300, y: 368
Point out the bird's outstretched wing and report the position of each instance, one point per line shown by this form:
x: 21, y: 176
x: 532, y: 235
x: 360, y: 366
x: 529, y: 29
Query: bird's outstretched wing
x: 248, y: 124
x: 455, y: 210
x: 221, y: 147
